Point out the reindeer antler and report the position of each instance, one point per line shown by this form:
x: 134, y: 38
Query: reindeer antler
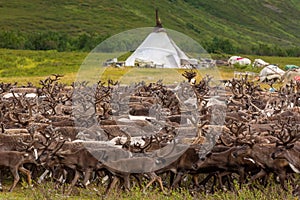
x: 189, y: 75
x: 288, y: 134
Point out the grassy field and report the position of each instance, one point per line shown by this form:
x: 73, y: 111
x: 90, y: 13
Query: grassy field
x: 24, y: 66
x: 242, y: 22
x: 46, y: 191
x: 31, y: 66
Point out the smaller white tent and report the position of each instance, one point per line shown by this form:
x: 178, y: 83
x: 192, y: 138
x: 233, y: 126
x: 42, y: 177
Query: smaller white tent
x: 270, y: 72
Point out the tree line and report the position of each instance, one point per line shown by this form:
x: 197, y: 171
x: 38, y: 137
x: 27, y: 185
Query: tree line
x: 87, y: 41
x: 219, y: 45
x: 49, y: 41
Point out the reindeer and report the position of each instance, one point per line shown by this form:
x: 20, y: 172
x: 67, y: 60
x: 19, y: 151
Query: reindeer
x: 288, y: 147
x: 15, y: 160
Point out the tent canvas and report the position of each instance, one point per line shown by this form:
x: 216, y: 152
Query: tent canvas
x: 160, y: 49
x: 270, y: 72
x: 287, y: 67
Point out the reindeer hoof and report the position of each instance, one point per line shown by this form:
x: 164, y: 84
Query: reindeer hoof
x: 224, y: 189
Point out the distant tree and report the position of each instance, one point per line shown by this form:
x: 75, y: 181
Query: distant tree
x: 43, y: 41
x: 82, y: 41
x: 263, y: 49
x: 294, y: 51
x: 88, y: 41
x: 220, y: 45
x: 12, y: 40
x: 279, y: 51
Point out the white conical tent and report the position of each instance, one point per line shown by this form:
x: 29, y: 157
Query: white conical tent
x: 159, y: 49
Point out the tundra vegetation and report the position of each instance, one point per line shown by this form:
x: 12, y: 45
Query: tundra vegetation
x: 24, y: 66
x: 59, y: 151
x: 269, y: 28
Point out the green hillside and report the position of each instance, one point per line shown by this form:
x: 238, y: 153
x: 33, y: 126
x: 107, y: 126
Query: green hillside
x: 244, y: 23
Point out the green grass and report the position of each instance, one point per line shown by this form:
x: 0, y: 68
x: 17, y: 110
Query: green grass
x: 242, y: 22
x: 18, y: 63
x: 24, y: 66
x: 47, y: 191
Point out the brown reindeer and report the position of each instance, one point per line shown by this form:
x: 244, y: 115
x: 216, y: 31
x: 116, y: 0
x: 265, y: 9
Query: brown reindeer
x: 14, y: 160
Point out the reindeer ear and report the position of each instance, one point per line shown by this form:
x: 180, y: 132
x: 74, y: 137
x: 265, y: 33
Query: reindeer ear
x: 233, y: 154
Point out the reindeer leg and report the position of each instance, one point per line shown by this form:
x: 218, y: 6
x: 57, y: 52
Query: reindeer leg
x: 177, y: 179
x: 172, y: 177
x: 214, y: 183
x: 126, y: 179
x: 28, y: 173
x: 59, y: 175
x: 205, y: 180
x: 111, y: 185
x: 241, y: 177
x: 292, y: 179
x: 264, y: 179
x: 220, y: 180
x: 152, y: 179
x: 1, y: 189
x: 226, y: 176
x: 195, y: 181
x: 158, y: 178
x: 282, y: 177
x: 87, y: 176
x: 42, y: 177
x: 260, y: 174
x: 74, y: 181
x: 16, y: 176
x: 138, y: 178
x: 229, y: 183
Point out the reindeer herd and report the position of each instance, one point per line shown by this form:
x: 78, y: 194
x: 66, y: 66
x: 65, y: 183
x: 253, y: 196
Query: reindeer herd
x: 150, y: 134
